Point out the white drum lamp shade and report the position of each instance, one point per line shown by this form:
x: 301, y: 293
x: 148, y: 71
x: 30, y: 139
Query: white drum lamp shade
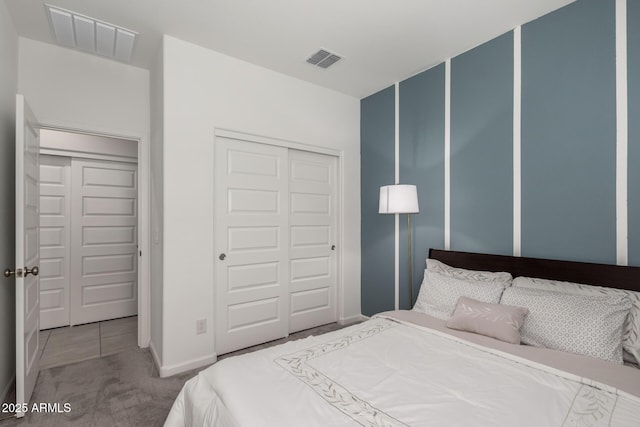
x: 398, y: 199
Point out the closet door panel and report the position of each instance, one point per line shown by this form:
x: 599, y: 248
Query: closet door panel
x: 55, y: 207
x: 104, y: 240
x: 251, y: 235
x: 312, y: 232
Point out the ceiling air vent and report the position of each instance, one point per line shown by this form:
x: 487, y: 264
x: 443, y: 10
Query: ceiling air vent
x: 81, y: 32
x: 323, y: 59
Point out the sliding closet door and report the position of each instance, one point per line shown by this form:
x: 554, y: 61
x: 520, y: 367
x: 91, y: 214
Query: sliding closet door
x: 312, y: 250
x: 55, y: 240
x: 252, y: 277
x: 104, y: 251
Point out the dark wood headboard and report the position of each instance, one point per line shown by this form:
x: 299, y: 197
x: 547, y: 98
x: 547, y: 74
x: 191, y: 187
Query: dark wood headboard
x: 612, y: 276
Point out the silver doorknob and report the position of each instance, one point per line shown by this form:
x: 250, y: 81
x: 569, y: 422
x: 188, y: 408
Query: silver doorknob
x: 35, y: 270
x: 222, y: 257
x: 9, y: 272
x: 20, y: 272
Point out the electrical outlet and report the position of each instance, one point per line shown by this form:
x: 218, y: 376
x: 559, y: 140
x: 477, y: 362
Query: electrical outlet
x: 201, y: 326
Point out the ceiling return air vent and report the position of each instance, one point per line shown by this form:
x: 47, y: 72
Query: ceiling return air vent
x: 323, y: 59
x: 71, y: 29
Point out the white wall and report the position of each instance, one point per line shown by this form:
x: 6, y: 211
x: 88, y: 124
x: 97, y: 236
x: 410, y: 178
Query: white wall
x: 157, y: 129
x: 8, y: 89
x: 73, y: 89
x: 204, y: 90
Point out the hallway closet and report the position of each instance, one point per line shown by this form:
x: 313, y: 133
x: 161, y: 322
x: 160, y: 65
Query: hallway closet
x: 88, y: 229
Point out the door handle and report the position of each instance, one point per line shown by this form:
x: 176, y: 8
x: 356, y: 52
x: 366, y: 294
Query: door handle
x: 333, y: 247
x: 222, y: 257
x: 35, y: 270
x: 20, y: 272
x: 9, y: 272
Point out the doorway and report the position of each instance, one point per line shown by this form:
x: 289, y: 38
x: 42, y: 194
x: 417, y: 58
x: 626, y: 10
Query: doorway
x: 88, y: 245
x: 24, y: 268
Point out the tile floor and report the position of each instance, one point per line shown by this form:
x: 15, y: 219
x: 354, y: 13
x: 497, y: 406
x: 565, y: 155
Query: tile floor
x: 62, y: 346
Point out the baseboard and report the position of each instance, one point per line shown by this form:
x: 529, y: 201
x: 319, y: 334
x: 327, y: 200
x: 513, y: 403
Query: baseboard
x: 352, y: 319
x: 7, y: 389
x: 154, y: 354
x: 167, y: 371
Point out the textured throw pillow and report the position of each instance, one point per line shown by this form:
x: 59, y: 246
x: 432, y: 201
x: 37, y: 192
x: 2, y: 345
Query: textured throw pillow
x: 461, y: 273
x: 583, y: 324
x: 439, y: 293
x: 631, y: 331
x: 498, y: 321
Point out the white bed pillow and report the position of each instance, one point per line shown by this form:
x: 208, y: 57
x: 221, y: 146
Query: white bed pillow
x: 461, y: 273
x: 439, y: 293
x: 583, y: 324
x: 631, y: 331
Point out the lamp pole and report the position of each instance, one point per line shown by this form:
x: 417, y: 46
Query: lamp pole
x: 410, y: 256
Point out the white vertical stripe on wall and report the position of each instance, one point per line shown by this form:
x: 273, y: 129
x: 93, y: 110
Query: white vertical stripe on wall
x: 517, y: 115
x: 447, y: 154
x: 397, y: 181
x: 621, y: 134
x: 397, y: 132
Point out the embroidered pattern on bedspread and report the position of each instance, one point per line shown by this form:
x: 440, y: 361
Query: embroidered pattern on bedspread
x: 341, y: 398
x: 591, y: 407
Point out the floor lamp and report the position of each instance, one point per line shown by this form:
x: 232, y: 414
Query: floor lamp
x: 399, y: 199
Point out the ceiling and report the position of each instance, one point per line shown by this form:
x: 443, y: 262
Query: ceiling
x: 381, y: 41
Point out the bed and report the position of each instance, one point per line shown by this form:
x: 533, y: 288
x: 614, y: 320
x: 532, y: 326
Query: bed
x: 419, y: 368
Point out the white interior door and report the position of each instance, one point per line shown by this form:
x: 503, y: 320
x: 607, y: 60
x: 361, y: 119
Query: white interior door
x: 55, y: 240
x: 104, y: 253
x: 312, y: 250
x: 27, y: 258
x: 252, y: 277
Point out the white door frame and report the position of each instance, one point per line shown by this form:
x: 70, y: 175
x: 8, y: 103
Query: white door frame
x: 144, y: 219
x: 231, y: 134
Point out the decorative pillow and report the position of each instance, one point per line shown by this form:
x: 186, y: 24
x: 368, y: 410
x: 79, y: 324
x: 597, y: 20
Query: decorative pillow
x: 498, y: 321
x: 583, y: 324
x: 439, y: 293
x: 461, y: 273
x: 631, y: 331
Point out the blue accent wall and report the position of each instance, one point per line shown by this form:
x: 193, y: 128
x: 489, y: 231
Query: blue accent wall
x: 422, y: 164
x: 633, y: 83
x: 568, y: 150
x: 482, y: 148
x: 377, y: 142
x: 569, y: 134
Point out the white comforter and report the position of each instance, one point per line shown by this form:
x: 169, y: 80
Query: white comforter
x: 388, y: 372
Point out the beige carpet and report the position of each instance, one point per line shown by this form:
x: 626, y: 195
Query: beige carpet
x: 119, y: 390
